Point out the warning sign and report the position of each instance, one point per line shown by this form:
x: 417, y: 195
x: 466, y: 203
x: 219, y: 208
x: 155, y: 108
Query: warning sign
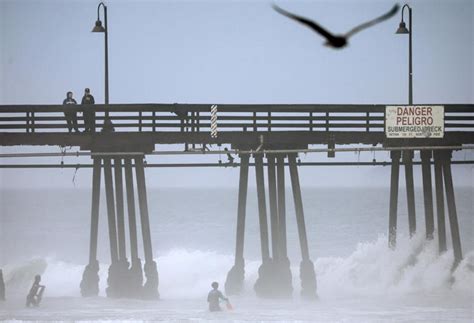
x: 414, y: 121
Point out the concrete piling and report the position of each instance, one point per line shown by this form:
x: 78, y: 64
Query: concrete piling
x: 90, y: 278
x: 150, y: 288
x: 263, y: 285
x: 408, y: 163
x: 262, y: 208
x: 124, y: 279
x: 122, y: 252
x: 427, y: 192
x: 283, y: 263
x: 307, y: 274
x: 453, y: 218
x: 441, y: 221
x: 272, y: 196
x: 135, y: 272
x: 394, y: 178
x: 123, y: 263
x: 236, y: 275
x: 282, y: 247
x: 114, y: 276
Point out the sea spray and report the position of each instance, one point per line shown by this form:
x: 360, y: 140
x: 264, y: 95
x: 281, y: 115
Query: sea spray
x: 188, y: 274
x: 184, y: 274
x: 19, y: 277
x: 375, y: 270
x: 464, y: 274
x: 371, y: 270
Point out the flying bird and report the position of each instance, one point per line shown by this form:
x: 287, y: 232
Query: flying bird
x: 336, y: 41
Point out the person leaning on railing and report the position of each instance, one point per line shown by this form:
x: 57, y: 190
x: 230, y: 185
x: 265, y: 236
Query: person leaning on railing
x: 71, y: 116
x: 89, y: 113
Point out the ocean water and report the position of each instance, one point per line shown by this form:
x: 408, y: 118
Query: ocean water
x: 193, y: 232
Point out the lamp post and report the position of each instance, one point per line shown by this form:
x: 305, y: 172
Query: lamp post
x: 98, y: 28
x: 407, y: 155
x: 402, y: 29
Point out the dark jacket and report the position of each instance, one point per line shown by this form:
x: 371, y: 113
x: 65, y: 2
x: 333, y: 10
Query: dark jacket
x: 88, y: 99
x: 70, y: 114
x: 69, y: 101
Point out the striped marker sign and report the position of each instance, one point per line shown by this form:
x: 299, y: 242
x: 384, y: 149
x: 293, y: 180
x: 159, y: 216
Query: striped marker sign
x: 214, y: 121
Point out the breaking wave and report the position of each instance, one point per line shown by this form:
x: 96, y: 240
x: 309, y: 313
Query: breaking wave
x: 372, y: 269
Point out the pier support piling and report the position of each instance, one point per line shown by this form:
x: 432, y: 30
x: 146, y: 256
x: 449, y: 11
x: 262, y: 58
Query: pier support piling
x: 114, y: 279
x: 394, y: 178
x: 283, y: 264
x: 272, y: 196
x: 262, y: 208
x: 236, y: 275
x: 135, y: 272
x: 453, y: 218
x: 264, y: 283
x: 120, y: 208
x: 281, y: 205
x: 122, y: 251
x: 307, y: 274
x: 427, y: 192
x: 408, y: 162
x: 441, y: 221
x: 150, y: 288
x: 90, y: 278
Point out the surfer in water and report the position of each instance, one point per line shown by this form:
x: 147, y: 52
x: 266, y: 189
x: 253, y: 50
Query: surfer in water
x: 36, y: 293
x: 214, y: 296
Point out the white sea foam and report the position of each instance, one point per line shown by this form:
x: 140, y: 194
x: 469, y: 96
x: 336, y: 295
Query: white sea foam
x: 371, y: 270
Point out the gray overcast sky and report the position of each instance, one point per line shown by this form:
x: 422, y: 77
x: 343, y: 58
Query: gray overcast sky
x: 231, y: 52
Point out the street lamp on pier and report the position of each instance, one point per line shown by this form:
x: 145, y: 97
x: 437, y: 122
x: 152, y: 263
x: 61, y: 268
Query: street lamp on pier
x: 98, y: 28
x: 407, y: 156
x: 402, y: 29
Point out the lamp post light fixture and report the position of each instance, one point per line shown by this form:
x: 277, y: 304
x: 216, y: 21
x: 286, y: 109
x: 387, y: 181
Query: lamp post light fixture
x: 98, y: 28
x: 402, y: 29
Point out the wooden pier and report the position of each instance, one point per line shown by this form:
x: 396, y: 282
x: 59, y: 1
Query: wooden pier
x: 271, y: 135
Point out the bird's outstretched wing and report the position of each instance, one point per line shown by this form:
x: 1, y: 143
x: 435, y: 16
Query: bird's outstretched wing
x: 309, y: 23
x: 367, y: 24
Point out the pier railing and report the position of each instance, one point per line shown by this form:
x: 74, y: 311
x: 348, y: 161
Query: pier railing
x: 236, y: 118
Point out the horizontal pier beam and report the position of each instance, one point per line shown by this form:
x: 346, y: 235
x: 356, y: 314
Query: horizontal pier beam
x: 205, y: 107
x: 235, y: 151
x: 131, y: 141
x: 184, y: 165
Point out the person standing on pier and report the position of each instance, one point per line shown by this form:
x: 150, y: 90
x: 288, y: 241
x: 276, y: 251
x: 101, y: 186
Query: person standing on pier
x: 2, y: 286
x: 71, y: 116
x: 214, y: 296
x: 89, y: 114
x: 36, y: 293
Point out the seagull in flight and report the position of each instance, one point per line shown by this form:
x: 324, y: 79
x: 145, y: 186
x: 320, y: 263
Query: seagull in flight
x: 336, y: 41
